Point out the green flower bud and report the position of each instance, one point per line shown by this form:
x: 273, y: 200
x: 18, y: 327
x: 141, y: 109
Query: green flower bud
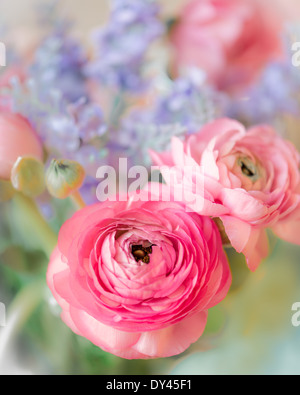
x: 27, y: 176
x: 64, y: 177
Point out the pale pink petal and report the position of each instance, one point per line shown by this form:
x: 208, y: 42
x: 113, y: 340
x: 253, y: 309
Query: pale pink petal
x: 56, y: 265
x: 243, y: 206
x: 208, y: 162
x: 174, y: 339
x: 67, y: 319
x: 257, y: 249
x: 289, y: 230
x: 161, y: 158
x: 219, y: 127
x: 237, y: 231
x: 101, y: 335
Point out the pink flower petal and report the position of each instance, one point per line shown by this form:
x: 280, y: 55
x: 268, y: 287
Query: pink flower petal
x: 174, y: 339
x: 237, y: 231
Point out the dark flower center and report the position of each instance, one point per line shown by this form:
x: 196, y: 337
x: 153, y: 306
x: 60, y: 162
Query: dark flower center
x: 248, y: 172
x: 248, y: 168
x: 141, y: 253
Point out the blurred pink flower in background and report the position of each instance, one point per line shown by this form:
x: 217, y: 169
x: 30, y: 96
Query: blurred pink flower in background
x: 251, y: 181
x: 12, y: 72
x: 6, y: 77
x: 17, y: 139
x: 137, y: 278
x: 231, y: 40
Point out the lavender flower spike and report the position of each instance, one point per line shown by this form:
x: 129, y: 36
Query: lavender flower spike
x: 121, y: 46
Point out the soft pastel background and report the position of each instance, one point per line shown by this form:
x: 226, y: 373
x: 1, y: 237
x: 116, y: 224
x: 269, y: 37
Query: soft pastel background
x: 249, y: 333
x: 91, y: 13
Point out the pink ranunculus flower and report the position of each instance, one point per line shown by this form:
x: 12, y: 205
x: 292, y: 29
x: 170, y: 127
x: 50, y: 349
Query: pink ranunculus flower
x: 231, y: 40
x: 17, y: 139
x: 251, y: 182
x: 137, y: 278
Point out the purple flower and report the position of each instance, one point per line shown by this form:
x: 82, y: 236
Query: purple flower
x: 184, y: 108
x: 58, y: 65
x: 121, y: 46
x: 189, y: 103
x: 275, y: 94
x: 69, y: 131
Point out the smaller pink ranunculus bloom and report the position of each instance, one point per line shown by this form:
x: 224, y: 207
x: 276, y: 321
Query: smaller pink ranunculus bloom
x: 17, y: 139
x: 231, y: 40
x: 137, y: 278
x: 251, y: 181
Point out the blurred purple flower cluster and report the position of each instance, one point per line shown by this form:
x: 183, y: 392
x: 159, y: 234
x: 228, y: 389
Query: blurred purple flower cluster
x: 65, y: 95
x: 275, y: 94
x: 68, y: 130
x: 189, y: 102
x: 122, y: 44
x: 185, y: 105
x: 58, y: 65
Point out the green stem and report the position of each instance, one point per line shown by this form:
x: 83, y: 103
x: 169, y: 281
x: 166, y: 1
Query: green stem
x: 34, y: 223
x: 20, y: 310
x: 77, y: 200
x: 26, y: 216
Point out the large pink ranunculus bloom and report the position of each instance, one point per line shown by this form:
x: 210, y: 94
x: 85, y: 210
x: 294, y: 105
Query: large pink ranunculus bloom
x: 137, y: 278
x: 251, y: 182
x: 17, y: 139
x: 231, y: 40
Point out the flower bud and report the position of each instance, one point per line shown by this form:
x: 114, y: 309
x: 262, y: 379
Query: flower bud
x: 64, y: 177
x: 27, y: 176
x: 6, y: 191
